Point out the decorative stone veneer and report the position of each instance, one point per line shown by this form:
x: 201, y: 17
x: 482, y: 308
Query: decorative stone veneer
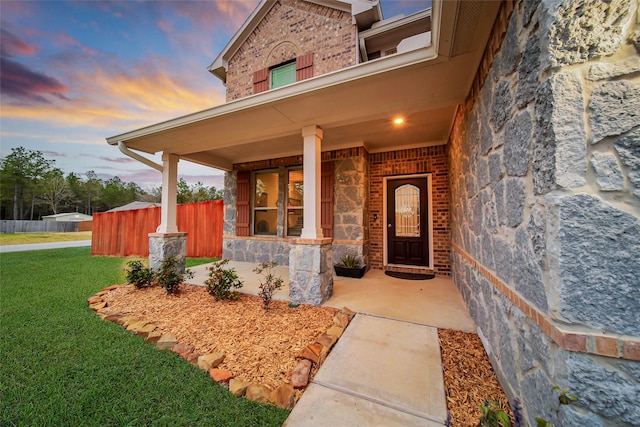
x: 412, y: 161
x: 290, y: 29
x: 351, y: 207
x: 165, y: 245
x: 310, y: 271
x: 256, y: 249
x: 545, y: 207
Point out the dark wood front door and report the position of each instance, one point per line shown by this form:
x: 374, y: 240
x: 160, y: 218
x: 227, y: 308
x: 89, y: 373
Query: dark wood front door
x: 407, y: 227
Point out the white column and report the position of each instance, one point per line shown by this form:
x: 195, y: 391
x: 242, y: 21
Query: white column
x: 168, y: 222
x: 312, y: 228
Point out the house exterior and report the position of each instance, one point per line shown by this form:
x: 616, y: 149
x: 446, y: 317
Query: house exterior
x: 68, y: 216
x: 515, y: 170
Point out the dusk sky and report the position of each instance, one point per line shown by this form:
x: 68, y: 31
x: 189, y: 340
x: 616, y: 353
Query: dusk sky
x: 73, y: 73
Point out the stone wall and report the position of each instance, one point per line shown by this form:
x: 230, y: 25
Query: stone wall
x: 290, y: 29
x: 351, y: 207
x: 545, y: 167
x: 431, y: 160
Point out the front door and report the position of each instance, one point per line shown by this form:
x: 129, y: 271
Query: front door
x: 407, y: 227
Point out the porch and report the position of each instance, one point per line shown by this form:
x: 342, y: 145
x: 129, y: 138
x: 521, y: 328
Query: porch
x: 436, y: 302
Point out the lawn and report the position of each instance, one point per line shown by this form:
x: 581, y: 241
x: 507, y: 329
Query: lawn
x: 62, y: 365
x: 28, y: 238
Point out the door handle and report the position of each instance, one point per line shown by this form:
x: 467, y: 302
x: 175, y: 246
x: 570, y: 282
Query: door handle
x: 389, y: 225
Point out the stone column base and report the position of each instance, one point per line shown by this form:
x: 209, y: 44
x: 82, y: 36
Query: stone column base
x: 164, y: 245
x: 310, y: 271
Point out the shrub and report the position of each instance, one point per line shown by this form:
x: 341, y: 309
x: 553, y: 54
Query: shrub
x: 169, y: 275
x: 493, y: 416
x: 223, y: 282
x: 138, y: 275
x: 269, y: 284
x: 350, y: 261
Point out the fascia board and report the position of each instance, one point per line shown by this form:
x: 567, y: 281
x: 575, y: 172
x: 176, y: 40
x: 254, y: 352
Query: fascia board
x: 395, y: 24
x: 342, y: 76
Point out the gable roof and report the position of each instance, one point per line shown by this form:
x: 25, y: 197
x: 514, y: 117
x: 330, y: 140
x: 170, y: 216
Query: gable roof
x: 424, y: 85
x: 364, y: 12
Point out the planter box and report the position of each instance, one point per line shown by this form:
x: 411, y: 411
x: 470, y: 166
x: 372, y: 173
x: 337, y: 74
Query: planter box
x: 356, y: 272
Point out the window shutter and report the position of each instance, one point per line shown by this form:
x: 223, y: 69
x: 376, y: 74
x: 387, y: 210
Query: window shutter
x: 261, y: 80
x: 243, y: 198
x: 326, y: 199
x: 304, y: 67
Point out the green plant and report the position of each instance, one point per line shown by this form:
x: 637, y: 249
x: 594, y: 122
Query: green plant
x: 222, y: 280
x: 269, y: 284
x: 565, y: 398
x: 138, y: 275
x: 493, y: 416
x: 350, y: 261
x: 169, y: 275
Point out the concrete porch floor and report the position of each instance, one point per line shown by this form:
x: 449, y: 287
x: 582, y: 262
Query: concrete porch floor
x: 436, y: 302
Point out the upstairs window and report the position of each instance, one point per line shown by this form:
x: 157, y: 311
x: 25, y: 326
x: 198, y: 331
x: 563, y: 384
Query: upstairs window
x: 283, y: 75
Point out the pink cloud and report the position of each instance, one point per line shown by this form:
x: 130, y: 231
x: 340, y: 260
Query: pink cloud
x: 164, y: 26
x: 12, y: 45
x: 65, y: 39
x: 19, y: 82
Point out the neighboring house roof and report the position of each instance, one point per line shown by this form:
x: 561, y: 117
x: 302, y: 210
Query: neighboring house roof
x: 68, y: 216
x: 354, y: 106
x: 135, y: 205
x: 364, y: 12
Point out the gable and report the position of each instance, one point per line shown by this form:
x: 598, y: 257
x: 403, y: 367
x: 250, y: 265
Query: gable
x: 291, y: 29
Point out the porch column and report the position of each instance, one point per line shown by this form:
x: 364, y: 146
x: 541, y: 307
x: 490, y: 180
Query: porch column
x: 310, y: 256
x: 169, y: 194
x: 167, y: 241
x: 312, y: 228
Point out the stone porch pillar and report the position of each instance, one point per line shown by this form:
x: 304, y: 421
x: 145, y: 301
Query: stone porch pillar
x: 310, y: 256
x: 167, y: 240
x: 310, y: 271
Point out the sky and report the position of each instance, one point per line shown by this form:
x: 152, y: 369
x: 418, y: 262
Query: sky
x: 73, y: 73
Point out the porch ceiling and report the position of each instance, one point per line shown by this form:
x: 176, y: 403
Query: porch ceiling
x: 353, y: 107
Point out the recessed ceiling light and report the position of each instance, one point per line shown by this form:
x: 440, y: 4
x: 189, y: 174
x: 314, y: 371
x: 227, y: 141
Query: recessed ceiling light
x: 398, y: 120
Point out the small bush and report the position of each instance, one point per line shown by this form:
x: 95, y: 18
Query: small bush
x: 270, y: 284
x: 350, y: 261
x: 223, y: 282
x: 169, y: 276
x: 138, y: 275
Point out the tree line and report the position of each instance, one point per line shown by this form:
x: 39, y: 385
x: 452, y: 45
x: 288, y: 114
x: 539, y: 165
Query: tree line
x: 32, y: 187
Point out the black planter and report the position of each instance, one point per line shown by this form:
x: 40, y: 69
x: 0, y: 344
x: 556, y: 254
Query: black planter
x: 355, y: 272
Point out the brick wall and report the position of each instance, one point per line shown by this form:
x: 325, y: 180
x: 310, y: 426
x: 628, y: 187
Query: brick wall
x: 293, y: 28
x: 406, y: 162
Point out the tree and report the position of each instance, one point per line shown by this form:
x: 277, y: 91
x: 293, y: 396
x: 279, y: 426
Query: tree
x: 93, y: 185
x: 22, y: 170
x: 55, y: 190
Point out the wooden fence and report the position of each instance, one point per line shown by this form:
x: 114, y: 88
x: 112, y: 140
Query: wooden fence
x: 126, y: 233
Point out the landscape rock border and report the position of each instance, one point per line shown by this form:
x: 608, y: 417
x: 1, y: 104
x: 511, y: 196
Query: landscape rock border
x: 310, y: 358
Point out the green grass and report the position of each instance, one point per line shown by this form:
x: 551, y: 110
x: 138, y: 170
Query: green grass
x: 62, y: 365
x: 28, y: 238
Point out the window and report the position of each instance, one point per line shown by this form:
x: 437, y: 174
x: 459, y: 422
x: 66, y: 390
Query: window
x: 283, y: 75
x: 407, y: 211
x: 295, y: 198
x: 271, y: 202
x: 265, y: 204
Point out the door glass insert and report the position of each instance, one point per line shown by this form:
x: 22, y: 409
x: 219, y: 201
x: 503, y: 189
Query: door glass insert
x: 407, y: 211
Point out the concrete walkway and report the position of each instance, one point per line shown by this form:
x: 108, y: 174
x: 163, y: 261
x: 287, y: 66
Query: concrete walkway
x: 381, y: 372
x: 41, y: 246
x: 386, y: 369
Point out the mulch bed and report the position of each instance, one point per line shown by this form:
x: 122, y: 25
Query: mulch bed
x: 261, y: 345
x: 469, y: 379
